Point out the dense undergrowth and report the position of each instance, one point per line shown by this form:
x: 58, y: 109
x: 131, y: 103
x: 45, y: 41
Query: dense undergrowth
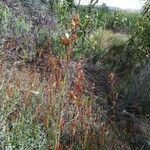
x: 66, y: 72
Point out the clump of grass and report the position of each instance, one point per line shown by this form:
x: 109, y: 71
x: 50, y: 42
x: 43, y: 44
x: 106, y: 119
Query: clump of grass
x: 50, y: 113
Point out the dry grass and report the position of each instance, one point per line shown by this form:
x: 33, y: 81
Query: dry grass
x: 52, y: 113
